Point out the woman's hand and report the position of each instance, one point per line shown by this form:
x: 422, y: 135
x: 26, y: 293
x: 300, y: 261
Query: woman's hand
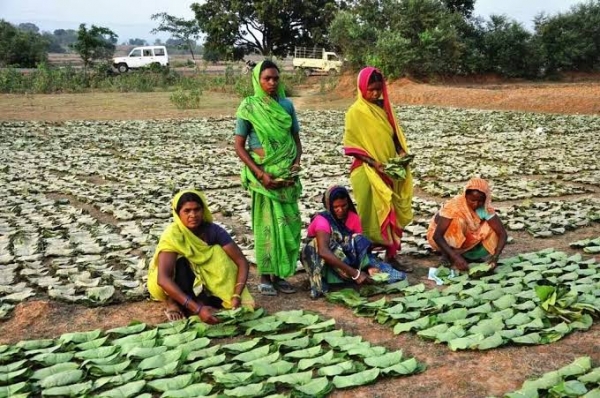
x: 363, y: 278
x: 460, y: 263
x: 372, y: 271
x: 236, y: 302
x: 380, y: 167
x: 268, y: 181
x: 206, y: 315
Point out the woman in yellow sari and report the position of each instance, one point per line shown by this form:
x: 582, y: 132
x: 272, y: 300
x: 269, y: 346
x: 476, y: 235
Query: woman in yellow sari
x: 467, y: 229
x: 194, y: 254
x: 373, y: 137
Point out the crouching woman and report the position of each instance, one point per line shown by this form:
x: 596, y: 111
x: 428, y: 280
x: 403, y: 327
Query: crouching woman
x: 197, y: 267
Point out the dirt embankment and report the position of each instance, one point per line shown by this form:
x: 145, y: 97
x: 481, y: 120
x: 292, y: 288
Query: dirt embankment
x: 492, y: 93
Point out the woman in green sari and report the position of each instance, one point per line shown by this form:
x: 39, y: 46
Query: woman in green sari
x: 268, y: 143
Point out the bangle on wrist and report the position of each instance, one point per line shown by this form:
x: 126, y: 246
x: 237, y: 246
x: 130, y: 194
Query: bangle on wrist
x: 187, y: 300
x: 239, y: 284
x: 199, y: 308
x: 357, y: 276
x: 236, y: 296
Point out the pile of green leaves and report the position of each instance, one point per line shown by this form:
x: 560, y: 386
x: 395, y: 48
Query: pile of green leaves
x: 293, y: 352
x: 396, y: 167
x: 591, y: 246
x: 533, y: 298
x: 577, y: 379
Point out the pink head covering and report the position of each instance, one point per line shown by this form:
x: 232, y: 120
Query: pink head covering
x: 363, y: 82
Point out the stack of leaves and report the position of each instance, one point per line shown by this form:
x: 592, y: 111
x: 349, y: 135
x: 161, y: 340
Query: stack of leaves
x: 578, y: 379
x: 494, y: 310
x: 396, y: 167
x: 591, y: 246
x: 294, y: 351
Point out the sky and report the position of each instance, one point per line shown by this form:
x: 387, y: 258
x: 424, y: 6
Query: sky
x: 131, y: 19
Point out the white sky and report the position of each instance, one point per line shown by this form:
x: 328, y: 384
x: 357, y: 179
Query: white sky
x: 131, y: 19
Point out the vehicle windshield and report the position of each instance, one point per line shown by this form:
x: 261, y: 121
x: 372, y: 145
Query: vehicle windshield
x: 136, y: 53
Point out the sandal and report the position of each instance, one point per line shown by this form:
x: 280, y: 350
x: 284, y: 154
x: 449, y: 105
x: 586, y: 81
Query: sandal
x: 267, y: 289
x: 174, y: 315
x: 284, y: 286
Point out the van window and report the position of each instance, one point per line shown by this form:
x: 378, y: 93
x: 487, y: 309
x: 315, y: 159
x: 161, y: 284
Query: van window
x: 136, y: 53
x: 331, y: 57
x: 148, y: 53
x: 159, y: 52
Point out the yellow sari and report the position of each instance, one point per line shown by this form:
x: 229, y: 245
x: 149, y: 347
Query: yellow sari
x: 383, y: 204
x: 213, y: 268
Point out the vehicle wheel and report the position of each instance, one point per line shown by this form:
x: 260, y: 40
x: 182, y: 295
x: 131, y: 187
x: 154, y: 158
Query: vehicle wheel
x: 122, y: 68
x: 307, y: 72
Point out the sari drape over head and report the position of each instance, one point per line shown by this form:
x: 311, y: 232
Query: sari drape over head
x: 384, y: 204
x: 275, y: 215
x: 467, y: 229
x: 213, y: 268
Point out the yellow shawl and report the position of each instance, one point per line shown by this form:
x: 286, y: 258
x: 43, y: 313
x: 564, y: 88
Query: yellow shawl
x: 213, y: 268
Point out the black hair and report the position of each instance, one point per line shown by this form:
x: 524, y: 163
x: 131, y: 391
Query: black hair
x: 268, y: 64
x: 375, y: 77
x: 188, y: 197
x: 339, y: 195
x: 472, y: 191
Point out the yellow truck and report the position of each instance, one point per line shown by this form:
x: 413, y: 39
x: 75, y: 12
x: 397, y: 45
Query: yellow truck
x: 316, y: 60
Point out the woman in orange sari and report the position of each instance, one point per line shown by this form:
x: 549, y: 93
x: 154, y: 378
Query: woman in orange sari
x: 467, y: 229
x: 373, y: 137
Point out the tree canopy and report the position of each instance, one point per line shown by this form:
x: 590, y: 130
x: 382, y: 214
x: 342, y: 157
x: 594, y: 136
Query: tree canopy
x: 23, y: 48
x: 94, y: 44
x: 186, y: 32
x: 268, y: 27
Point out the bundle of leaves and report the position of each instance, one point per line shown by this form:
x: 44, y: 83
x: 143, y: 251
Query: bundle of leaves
x: 396, y: 167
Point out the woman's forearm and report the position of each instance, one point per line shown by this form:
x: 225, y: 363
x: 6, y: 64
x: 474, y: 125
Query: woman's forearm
x: 298, y: 148
x: 245, y: 157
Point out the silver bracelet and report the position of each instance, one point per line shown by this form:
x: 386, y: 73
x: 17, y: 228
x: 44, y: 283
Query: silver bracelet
x: 357, y: 276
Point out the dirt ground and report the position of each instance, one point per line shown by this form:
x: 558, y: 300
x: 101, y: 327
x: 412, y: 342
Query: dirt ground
x: 449, y: 374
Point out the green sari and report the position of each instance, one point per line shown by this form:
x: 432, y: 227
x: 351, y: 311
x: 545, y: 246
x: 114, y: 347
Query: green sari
x: 276, y: 221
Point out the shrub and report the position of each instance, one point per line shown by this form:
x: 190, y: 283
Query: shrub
x: 186, y: 99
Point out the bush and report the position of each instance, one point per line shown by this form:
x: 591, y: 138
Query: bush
x: 186, y: 99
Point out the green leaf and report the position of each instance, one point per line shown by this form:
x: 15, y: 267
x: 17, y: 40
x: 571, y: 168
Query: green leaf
x: 62, y: 379
x: 571, y: 388
x: 136, y: 338
x: 275, y: 356
x: 116, y: 380
x: 28, y: 345
x: 100, y: 294
x: 578, y: 367
x: 125, y: 391
x: 13, y: 389
x: 505, y: 302
x: 251, y: 390
x: 478, y: 270
x: 492, y: 341
x: 284, y: 336
x: 485, y: 308
x: 452, y: 315
x: 318, y: 338
x: 487, y: 327
x: 232, y: 379
x: 337, y: 369
x: 295, y: 344
x: 595, y: 393
x: 11, y: 367
x: 325, y: 359
x: 105, y: 370
x: 547, y: 381
x: 408, y: 367
x: 454, y: 332
x: 52, y: 358
x: 532, y: 338
x: 162, y: 372
x: 127, y: 347
x: 173, y: 383
x: 221, y: 330
x: 463, y: 343
x: 252, y: 354
x: 10, y: 377
x: 592, y: 377
x: 523, y: 393
x: 53, y: 370
x: 73, y: 390
x: 356, y: 379
x: 292, y: 379
x: 264, y: 327
x: 204, y: 353
x: 177, y: 340
x: 386, y: 360
x: 262, y: 369
x: 143, y: 353
x: 325, y: 325
x: 128, y: 330
x: 101, y: 352
x: 305, y: 353
x: 364, y: 352
x: 90, y: 345
x: 419, y: 324
x: 242, y: 346
x: 206, y: 363
x: 317, y: 388
x: 191, y: 391
x: 342, y: 340
x: 220, y: 368
x: 160, y: 360
x: 80, y: 337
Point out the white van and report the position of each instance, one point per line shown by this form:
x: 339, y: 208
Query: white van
x: 142, y: 56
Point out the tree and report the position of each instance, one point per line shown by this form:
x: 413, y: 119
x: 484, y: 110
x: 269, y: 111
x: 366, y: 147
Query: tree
x: 29, y: 27
x: 464, y: 7
x: 265, y: 26
x: 65, y: 37
x: 187, y: 31
x: 137, y: 42
x: 158, y: 42
x: 21, y: 48
x: 53, y: 43
x: 94, y: 44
